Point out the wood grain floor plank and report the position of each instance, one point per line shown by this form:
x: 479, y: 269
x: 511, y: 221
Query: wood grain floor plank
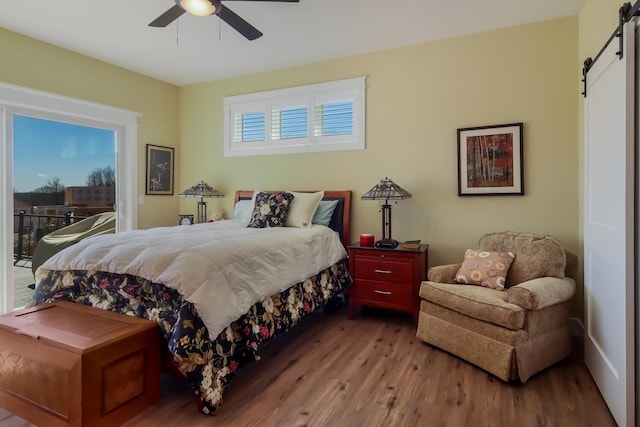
x: 373, y: 371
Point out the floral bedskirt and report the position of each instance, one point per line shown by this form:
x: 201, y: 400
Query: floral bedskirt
x: 208, y: 365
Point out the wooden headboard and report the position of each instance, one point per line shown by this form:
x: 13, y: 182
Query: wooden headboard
x: 341, y: 219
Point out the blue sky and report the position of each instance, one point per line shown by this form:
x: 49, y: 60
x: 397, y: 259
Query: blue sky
x: 44, y: 149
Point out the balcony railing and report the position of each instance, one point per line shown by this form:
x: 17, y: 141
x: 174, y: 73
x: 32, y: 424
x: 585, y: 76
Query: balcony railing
x: 30, y: 228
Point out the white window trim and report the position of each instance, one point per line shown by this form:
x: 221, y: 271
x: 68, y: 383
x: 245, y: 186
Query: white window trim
x: 24, y: 101
x: 353, y: 89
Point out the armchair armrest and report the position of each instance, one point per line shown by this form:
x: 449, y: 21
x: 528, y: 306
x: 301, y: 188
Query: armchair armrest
x: 443, y: 273
x: 541, y: 292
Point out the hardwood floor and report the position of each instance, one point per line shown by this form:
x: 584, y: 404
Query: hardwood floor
x: 372, y: 371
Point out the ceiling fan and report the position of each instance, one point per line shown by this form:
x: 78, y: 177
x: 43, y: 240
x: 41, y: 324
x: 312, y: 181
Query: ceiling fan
x: 211, y: 7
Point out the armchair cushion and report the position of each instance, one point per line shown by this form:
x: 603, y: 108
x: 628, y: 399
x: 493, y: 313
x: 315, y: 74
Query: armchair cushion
x: 542, y: 292
x: 536, y: 256
x: 489, y: 305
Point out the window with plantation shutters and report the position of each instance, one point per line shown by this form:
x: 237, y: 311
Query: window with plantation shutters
x: 289, y: 122
x: 248, y: 127
x: 319, y: 117
x: 334, y: 118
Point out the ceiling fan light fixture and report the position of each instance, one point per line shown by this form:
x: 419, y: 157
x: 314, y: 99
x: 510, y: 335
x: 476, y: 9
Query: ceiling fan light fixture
x: 199, y: 7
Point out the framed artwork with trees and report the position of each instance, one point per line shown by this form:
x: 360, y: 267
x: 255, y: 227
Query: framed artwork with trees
x: 490, y: 160
x: 159, y: 171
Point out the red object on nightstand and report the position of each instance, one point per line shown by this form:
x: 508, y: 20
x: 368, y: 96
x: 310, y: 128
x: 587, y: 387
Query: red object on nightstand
x: 366, y: 240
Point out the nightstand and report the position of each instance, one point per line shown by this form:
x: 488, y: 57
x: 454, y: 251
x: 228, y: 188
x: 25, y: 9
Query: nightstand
x: 387, y: 278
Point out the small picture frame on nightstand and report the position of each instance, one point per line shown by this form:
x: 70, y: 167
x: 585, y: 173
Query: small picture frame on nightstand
x: 185, y: 220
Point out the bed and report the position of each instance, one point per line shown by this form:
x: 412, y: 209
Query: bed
x: 167, y: 275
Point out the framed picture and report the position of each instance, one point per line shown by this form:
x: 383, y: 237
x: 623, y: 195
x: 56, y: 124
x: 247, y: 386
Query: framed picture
x: 490, y: 160
x: 159, y: 173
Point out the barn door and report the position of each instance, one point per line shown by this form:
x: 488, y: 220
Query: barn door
x: 609, y: 234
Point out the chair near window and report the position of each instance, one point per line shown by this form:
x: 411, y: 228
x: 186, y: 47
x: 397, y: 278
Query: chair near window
x: 513, y: 332
x: 54, y: 242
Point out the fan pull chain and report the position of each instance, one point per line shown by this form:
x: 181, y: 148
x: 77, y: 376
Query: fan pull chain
x: 178, y: 32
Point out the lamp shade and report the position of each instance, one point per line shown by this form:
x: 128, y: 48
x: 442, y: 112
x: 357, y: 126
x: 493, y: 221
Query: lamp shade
x: 386, y: 189
x: 201, y: 189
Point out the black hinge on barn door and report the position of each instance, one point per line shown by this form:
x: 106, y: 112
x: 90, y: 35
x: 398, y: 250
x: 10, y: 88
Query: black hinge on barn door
x: 625, y: 14
x: 585, y: 68
x: 623, y: 18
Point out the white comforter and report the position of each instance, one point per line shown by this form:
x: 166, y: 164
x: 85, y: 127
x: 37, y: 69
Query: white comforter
x: 223, y: 268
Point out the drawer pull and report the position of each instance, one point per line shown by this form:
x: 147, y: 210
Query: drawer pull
x: 381, y: 292
x: 383, y: 271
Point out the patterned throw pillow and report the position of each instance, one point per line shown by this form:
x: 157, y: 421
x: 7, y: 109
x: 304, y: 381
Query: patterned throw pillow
x: 484, y: 268
x: 271, y: 210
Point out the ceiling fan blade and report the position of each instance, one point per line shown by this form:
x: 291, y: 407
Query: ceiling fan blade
x: 239, y: 24
x: 168, y: 17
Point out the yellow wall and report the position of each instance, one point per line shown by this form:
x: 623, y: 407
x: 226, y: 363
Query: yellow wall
x: 596, y: 22
x: 31, y: 63
x: 417, y: 97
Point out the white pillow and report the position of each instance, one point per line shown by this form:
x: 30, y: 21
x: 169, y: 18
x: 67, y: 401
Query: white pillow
x: 247, y: 212
x: 240, y: 209
x: 303, y: 207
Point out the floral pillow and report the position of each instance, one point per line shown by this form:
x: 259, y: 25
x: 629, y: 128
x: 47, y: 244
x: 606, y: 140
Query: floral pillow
x: 484, y: 268
x: 271, y: 210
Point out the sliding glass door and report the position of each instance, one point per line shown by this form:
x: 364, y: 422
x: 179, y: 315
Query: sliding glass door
x: 61, y: 160
x: 62, y: 173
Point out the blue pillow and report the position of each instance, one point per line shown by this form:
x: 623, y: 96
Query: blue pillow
x: 324, y: 212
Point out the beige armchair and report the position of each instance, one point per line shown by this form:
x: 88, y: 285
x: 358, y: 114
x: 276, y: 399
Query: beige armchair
x: 512, y: 333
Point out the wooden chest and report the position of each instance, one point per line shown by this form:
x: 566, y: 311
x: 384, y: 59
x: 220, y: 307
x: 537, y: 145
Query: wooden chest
x: 66, y: 364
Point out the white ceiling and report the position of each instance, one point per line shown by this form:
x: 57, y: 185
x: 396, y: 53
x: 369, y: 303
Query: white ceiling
x: 196, y: 49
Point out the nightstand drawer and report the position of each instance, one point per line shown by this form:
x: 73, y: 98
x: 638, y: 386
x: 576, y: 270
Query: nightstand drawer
x: 368, y: 290
x: 390, y: 270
